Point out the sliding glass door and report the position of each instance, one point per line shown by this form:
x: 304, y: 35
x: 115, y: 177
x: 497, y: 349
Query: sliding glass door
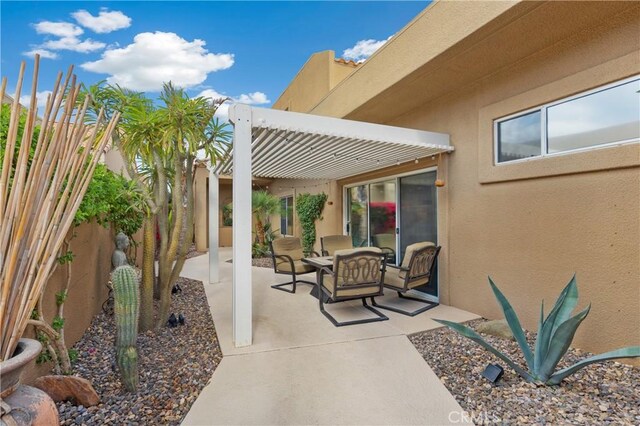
x: 393, y: 214
x: 418, y: 217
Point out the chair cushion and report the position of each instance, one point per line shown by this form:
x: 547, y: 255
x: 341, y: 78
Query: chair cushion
x: 329, y: 283
x: 392, y: 278
x: 299, y: 266
x: 332, y: 243
x: 289, y: 247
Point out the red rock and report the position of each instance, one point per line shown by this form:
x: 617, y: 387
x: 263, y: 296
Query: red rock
x: 68, y: 388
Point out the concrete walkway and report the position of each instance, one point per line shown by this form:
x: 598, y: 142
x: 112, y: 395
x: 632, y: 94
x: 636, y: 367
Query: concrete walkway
x: 303, y: 370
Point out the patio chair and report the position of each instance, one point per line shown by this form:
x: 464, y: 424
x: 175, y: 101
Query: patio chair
x: 356, y: 274
x: 286, y: 254
x: 385, y: 242
x: 331, y: 243
x: 416, y: 270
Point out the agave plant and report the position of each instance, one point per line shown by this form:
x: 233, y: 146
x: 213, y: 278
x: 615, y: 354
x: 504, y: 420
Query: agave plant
x: 555, y: 333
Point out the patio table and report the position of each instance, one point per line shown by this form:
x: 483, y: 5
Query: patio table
x: 318, y: 263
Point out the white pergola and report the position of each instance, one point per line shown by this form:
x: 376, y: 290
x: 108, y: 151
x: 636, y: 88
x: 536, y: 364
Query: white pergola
x: 278, y: 144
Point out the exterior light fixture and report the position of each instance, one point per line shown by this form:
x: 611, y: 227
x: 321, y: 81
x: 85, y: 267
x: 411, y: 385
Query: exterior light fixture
x: 416, y: 161
x: 493, y: 373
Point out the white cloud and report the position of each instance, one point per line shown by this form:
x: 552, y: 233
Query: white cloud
x: 74, y: 44
x: 41, y: 98
x: 363, y: 49
x: 105, y: 22
x: 154, y: 58
x: 44, y: 54
x: 59, y: 29
x: 255, y: 98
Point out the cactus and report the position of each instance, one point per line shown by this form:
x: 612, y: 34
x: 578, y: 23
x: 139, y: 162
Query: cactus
x: 126, y: 293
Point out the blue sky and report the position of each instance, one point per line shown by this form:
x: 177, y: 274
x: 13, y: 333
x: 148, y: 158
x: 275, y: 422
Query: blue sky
x: 248, y: 51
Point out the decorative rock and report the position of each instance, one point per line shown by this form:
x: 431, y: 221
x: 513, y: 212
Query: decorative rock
x: 497, y: 328
x: 69, y: 388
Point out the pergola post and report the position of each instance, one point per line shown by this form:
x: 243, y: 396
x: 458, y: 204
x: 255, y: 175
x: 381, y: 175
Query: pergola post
x: 240, y: 117
x: 214, y: 222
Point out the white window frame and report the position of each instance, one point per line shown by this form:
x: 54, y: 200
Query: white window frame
x: 286, y: 197
x: 544, y: 143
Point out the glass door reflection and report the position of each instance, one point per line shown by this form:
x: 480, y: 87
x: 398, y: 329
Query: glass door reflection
x: 382, y: 217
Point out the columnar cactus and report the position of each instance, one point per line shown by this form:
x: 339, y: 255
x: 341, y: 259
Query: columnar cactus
x: 126, y: 293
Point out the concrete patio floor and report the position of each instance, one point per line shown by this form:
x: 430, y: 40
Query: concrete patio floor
x: 303, y: 370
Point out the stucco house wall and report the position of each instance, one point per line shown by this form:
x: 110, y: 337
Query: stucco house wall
x: 529, y: 225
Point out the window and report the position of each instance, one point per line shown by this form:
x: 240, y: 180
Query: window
x: 606, y: 115
x: 286, y: 215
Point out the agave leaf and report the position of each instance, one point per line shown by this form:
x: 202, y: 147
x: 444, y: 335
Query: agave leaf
x: 560, y: 312
x: 537, y: 355
x: 560, y: 343
x: 628, y: 352
x: 514, y: 324
x: 472, y: 335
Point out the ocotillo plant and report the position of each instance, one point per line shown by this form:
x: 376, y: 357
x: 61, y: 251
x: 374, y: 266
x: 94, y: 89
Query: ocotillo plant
x: 126, y: 294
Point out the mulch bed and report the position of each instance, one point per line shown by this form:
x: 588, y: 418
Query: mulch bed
x: 174, y: 365
x: 260, y: 262
x: 603, y: 394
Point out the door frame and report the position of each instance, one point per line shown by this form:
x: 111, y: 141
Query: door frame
x: 396, y: 176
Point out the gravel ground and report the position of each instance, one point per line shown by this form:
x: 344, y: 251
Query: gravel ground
x: 260, y: 262
x: 193, y: 252
x: 174, y: 365
x: 602, y: 394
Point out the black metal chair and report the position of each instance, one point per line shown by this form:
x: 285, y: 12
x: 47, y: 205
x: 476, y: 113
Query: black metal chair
x: 356, y: 274
x: 385, y: 242
x: 331, y: 243
x: 416, y: 270
x: 287, y: 254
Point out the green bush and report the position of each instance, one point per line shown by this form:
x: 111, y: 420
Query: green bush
x: 309, y: 208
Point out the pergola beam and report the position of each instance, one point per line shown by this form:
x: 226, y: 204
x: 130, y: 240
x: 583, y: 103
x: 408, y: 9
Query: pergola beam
x: 240, y: 117
x: 214, y: 231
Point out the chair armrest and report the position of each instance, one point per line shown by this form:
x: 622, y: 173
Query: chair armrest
x: 282, y: 256
x: 402, y: 268
x: 312, y: 252
x: 325, y: 253
x: 322, y: 272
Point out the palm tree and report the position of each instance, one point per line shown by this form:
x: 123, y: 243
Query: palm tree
x: 160, y: 144
x: 263, y: 205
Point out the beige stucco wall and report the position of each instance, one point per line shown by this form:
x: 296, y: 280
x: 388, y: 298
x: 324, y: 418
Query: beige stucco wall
x: 316, y: 78
x: 532, y: 225
x: 331, y: 221
x: 92, y: 246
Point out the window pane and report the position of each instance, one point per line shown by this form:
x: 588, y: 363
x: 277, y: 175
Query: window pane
x: 612, y: 115
x: 358, y: 223
x: 283, y: 216
x: 290, y: 216
x: 519, y: 137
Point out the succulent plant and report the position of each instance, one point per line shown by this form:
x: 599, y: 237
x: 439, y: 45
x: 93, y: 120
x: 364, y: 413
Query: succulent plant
x: 555, y: 334
x: 126, y: 294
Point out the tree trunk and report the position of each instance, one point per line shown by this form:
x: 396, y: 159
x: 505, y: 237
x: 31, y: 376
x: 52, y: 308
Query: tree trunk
x: 169, y: 256
x: 148, y: 274
x: 259, y: 230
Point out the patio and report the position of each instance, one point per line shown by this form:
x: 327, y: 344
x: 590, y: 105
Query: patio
x: 301, y: 369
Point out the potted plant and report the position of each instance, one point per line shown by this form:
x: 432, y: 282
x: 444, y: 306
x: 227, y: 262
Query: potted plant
x: 38, y: 204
